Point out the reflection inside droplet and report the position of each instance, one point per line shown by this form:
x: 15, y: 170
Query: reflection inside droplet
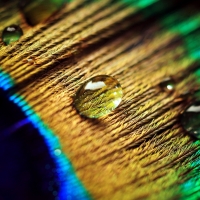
x: 98, y: 96
x: 11, y: 34
x: 190, y: 119
x: 167, y: 85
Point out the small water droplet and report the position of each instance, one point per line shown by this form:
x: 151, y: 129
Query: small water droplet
x: 57, y: 152
x: 168, y: 85
x: 39, y: 10
x: 190, y: 119
x: 98, y: 96
x: 11, y: 34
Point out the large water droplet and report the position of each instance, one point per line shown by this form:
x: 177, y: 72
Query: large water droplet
x: 98, y: 96
x: 11, y: 34
x: 190, y: 119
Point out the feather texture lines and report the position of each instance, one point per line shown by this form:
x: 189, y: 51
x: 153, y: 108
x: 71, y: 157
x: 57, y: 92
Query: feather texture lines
x: 139, y: 151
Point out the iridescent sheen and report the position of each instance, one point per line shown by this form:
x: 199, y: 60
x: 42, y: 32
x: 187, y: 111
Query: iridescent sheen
x: 98, y: 96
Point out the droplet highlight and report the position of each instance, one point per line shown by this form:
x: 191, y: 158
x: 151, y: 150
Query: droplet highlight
x: 98, y: 96
x: 167, y: 85
x: 11, y: 34
x: 57, y: 152
x: 190, y: 119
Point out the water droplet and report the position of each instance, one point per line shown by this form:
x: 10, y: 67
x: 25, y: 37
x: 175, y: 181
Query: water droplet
x: 190, y: 119
x: 39, y: 10
x: 167, y: 85
x: 11, y: 34
x: 57, y: 152
x: 98, y: 96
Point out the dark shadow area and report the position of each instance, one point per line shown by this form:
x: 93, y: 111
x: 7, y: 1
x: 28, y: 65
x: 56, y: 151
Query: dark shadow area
x: 27, y: 171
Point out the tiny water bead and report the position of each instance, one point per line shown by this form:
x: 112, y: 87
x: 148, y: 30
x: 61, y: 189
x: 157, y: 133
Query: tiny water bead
x: 190, y: 119
x: 37, y: 11
x: 168, y: 85
x: 11, y: 34
x: 57, y: 152
x: 98, y: 96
